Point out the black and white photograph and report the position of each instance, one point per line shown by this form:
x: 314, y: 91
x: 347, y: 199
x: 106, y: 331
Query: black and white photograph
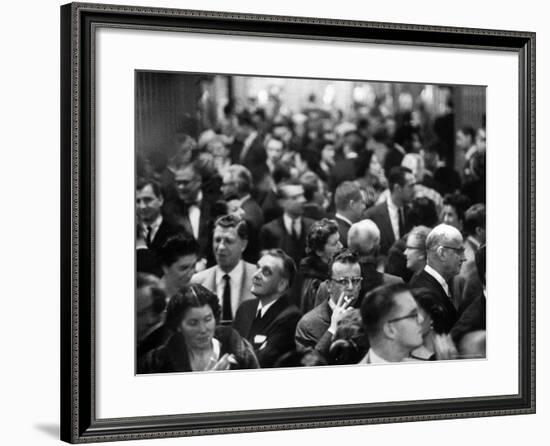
x: 299, y: 222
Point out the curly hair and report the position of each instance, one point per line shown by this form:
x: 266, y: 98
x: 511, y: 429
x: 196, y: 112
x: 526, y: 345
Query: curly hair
x: 318, y: 235
x: 189, y: 296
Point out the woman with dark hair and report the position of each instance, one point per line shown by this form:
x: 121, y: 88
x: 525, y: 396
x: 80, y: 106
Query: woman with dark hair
x: 197, y: 343
x: 322, y: 243
x: 370, y: 176
x: 437, y: 343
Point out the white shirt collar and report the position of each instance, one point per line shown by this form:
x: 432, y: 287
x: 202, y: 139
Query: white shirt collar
x: 250, y: 138
x: 474, y: 242
x: 432, y: 272
x: 341, y: 217
x: 234, y: 274
x: 288, y: 220
x: 391, y: 204
x: 372, y: 358
x: 263, y: 309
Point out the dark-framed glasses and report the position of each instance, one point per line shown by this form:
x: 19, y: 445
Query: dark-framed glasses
x: 413, y: 315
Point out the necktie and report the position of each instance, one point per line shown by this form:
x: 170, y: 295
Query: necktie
x: 148, y: 236
x: 227, y: 314
x: 401, y: 222
x: 295, y: 229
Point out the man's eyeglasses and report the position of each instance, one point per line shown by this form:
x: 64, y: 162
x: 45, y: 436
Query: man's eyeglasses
x: 414, y: 315
x: 344, y: 281
x: 413, y: 247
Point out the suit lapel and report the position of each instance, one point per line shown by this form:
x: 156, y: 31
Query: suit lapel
x: 387, y: 223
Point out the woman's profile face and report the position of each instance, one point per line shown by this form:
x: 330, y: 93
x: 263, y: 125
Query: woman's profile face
x: 197, y: 327
x: 375, y: 168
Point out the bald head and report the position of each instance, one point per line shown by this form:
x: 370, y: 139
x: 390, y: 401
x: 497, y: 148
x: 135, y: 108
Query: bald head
x: 364, y: 238
x: 441, y: 235
x: 445, y: 250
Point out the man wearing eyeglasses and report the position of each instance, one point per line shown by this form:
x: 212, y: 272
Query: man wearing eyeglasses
x: 392, y: 322
x: 317, y: 327
x: 445, y: 255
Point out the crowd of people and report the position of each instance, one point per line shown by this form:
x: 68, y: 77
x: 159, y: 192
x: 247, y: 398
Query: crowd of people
x: 282, y: 240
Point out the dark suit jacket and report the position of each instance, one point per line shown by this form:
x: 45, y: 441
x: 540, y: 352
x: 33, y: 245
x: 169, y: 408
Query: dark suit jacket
x: 255, y: 219
x: 176, y: 214
x: 442, y: 310
x: 381, y: 216
x: 311, y: 331
x: 343, y: 170
x: 270, y: 206
x: 274, y: 235
x: 343, y: 229
x: 272, y: 335
x: 148, y: 260
x: 254, y: 158
x: 473, y: 319
x: 166, y: 230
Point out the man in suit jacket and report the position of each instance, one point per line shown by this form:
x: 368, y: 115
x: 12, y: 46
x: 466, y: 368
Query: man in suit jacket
x: 248, y: 148
x: 269, y: 321
x: 231, y: 278
x: 191, y: 210
x: 317, y: 327
x: 152, y: 229
x: 349, y: 202
x: 345, y: 169
x: 236, y: 188
x: 390, y: 216
x: 445, y: 255
x: 289, y: 231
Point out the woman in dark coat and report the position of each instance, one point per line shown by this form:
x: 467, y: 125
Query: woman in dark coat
x: 322, y: 243
x: 197, y: 343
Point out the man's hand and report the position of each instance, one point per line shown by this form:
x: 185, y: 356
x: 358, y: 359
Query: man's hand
x: 444, y: 347
x: 341, y: 310
x: 224, y: 362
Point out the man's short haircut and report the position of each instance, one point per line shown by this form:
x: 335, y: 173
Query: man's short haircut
x: 281, y: 188
x: 310, y: 181
x: 281, y: 173
x: 319, y: 233
x: 423, y: 212
x: 178, y: 246
x: 397, y: 175
x: 468, y: 130
x: 190, y: 296
x: 143, y: 182
x: 377, y: 304
x: 242, y: 177
x: 474, y: 218
x: 346, y: 257
x: 459, y: 202
x: 346, y: 192
x: 233, y: 221
x: 289, y: 267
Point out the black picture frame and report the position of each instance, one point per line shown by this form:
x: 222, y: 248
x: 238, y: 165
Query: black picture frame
x: 78, y: 25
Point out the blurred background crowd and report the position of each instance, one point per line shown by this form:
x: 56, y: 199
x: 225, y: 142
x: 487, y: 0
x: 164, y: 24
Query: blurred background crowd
x: 292, y: 222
